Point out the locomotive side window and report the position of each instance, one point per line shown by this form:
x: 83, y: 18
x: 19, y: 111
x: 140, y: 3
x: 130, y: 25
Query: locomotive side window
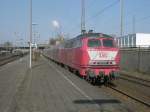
x: 94, y: 43
x: 77, y: 43
x: 108, y: 43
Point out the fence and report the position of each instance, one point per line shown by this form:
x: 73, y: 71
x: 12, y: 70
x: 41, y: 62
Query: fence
x: 135, y: 59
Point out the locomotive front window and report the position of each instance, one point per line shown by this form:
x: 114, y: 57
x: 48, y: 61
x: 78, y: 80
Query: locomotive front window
x: 94, y: 43
x: 108, y: 43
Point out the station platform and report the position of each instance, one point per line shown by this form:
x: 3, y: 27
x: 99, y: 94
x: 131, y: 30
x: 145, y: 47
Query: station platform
x: 48, y: 87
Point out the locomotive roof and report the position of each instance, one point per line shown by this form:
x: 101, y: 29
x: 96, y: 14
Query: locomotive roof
x: 97, y: 35
x: 91, y: 35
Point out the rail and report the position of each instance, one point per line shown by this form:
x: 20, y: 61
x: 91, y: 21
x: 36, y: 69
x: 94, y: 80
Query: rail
x: 9, y: 58
x: 136, y: 80
x: 129, y: 96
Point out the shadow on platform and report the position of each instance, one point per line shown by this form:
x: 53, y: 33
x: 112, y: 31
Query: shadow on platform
x: 96, y: 101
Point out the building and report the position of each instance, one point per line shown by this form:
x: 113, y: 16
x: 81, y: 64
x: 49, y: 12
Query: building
x: 134, y: 40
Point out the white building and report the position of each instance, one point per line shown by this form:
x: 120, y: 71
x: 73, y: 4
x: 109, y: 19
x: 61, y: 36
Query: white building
x: 134, y: 40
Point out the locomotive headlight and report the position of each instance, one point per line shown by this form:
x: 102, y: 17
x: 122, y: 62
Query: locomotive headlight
x: 113, y: 62
x: 93, y: 63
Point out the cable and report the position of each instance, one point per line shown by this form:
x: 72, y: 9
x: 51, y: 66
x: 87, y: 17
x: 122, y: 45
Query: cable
x: 103, y: 10
x: 98, y: 13
x: 91, y: 4
x: 142, y: 19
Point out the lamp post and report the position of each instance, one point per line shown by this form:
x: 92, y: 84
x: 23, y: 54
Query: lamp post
x: 30, y: 63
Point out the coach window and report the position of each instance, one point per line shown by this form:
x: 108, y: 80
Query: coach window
x: 71, y: 44
x: 66, y: 44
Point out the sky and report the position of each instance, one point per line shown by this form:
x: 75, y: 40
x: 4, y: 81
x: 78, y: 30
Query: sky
x: 101, y: 16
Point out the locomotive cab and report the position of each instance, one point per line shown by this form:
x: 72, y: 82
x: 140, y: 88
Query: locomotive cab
x: 102, y: 52
x: 102, y: 58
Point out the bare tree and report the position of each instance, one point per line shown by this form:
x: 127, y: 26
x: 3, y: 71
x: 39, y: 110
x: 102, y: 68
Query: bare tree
x: 8, y: 44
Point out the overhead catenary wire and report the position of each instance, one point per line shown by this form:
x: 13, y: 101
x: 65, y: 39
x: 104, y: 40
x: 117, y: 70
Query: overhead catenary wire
x: 135, y: 21
x: 92, y: 3
x: 138, y: 20
x: 144, y: 18
x: 98, y: 13
x: 103, y: 10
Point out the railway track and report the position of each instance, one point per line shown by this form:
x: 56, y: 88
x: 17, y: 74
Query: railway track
x: 125, y: 89
x: 129, y: 96
x: 135, y: 80
x: 7, y: 60
x: 11, y: 57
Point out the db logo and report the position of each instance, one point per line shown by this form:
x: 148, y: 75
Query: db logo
x: 103, y: 55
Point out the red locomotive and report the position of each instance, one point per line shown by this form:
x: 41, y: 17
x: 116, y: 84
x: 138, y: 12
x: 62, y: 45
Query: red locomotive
x: 93, y: 55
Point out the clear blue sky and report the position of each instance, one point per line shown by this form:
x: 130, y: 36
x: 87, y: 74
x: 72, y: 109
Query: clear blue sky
x: 14, y: 17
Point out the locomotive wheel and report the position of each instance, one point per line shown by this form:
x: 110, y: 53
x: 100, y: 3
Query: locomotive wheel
x: 87, y: 78
x: 84, y: 77
x: 70, y: 69
x: 62, y: 65
x: 93, y: 81
x: 106, y: 80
